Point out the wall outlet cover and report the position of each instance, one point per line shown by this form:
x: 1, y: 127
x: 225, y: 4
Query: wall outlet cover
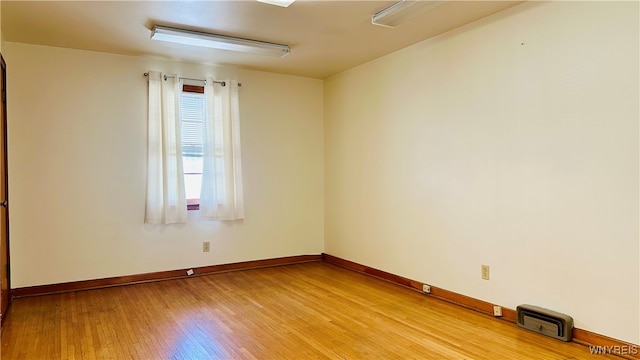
x: 485, y: 272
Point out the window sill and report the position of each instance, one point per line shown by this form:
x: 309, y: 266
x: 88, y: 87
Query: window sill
x: 193, y: 204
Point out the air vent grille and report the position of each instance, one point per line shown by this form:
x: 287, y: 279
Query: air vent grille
x: 546, y: 322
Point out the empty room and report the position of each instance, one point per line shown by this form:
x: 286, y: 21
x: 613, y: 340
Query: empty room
x: 311, y: 179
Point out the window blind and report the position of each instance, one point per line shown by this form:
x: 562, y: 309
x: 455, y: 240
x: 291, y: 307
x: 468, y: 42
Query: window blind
x: 192, y: 111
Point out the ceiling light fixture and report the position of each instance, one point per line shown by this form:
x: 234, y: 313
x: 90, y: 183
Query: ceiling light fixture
x: 401, y: 11
x: 283, y: 3
x: 221, y: 42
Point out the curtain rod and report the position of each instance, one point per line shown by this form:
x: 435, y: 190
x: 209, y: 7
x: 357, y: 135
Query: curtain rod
x: 204, y: 81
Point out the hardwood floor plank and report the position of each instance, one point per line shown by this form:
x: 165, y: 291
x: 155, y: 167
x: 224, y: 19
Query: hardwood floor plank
x: 306, y: 311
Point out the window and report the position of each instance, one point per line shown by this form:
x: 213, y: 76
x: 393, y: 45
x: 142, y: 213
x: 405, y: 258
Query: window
x: 192, y: 112
x: 209, y: 119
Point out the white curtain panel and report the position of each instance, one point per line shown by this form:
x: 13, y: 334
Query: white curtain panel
x: 221, y: 197
x: 166, y: 200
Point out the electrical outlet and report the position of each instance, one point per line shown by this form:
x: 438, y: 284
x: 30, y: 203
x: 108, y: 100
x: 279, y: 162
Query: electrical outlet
x: 497, y: 310
x: 206, y: 246
x: 426, y: 289
x: 485, y: 272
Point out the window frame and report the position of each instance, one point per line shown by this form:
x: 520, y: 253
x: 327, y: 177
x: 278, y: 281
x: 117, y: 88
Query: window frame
x: 193, y: 204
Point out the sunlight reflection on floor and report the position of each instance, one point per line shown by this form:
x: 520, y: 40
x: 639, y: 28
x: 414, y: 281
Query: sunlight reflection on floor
x: 197, y: 340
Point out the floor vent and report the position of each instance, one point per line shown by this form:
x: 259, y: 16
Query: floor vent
x: 546, y: 322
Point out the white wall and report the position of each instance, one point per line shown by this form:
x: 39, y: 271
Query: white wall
x: 77, y: 155
x: 511, y: 142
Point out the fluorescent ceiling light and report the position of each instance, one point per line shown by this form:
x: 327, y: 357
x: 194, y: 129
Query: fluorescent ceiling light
x: 283, y: 3
x: 221, y: 42
x: 401, y: 11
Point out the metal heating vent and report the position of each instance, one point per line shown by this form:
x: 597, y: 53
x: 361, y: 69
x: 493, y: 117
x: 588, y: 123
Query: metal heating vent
x: 546, y: 322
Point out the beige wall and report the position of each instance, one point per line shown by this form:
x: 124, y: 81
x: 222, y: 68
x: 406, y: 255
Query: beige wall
x: 1, y: 35
x: 77, y: 155
x: 511, y: 142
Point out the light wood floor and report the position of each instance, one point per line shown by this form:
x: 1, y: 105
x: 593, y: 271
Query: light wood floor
x: 306, y: 311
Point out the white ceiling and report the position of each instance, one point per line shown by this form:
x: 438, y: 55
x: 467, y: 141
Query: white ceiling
x: 326, y: 37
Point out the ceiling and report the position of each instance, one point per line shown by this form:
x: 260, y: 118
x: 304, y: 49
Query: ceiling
x: 326, y: 37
